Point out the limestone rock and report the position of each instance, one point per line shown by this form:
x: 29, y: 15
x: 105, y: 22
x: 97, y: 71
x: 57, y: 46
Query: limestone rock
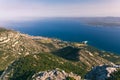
x: 56, y: 74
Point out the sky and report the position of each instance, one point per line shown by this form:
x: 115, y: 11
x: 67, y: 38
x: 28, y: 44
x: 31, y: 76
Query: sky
x: 30, y: 9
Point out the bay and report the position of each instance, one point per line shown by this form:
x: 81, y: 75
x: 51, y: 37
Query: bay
x: 105, y: 38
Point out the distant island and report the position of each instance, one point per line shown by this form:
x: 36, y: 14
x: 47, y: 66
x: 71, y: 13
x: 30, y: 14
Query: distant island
x: 101, y: 21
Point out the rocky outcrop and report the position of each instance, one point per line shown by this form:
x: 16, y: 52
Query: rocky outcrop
x: 56, y: 74
x: 102, y: 72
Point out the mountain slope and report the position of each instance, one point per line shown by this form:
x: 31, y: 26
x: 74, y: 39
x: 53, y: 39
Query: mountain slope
x: 24, y: 55
x: 25, y: 67
x: 14, y: 45
x: 81, y: 55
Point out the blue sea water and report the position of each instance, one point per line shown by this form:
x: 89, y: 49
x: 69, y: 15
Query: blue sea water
x: 105, y: 38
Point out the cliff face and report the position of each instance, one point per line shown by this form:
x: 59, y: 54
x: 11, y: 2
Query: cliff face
x: 24, y: 55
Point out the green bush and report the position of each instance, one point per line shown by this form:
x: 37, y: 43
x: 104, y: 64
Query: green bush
x: 25, y: 67
x: 70, y: 78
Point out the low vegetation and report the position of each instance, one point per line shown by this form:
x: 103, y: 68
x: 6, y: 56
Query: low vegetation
x: 116, y: 75
x: 25, y: 67
x: 70, y: 78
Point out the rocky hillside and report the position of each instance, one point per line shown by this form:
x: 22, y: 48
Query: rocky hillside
x: 14, y: 45
x: 26, y: 67
x: 56, y: 74
x: 82, y: 55
x: 102, y: 72
x: 23, y: 55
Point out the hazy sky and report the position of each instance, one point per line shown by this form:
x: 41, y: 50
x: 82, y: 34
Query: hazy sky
x: 24, y: 9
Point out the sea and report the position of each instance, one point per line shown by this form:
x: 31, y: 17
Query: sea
x: 102, y: 37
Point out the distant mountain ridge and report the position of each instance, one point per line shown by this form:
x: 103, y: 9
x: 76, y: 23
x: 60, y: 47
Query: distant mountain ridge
x: 101, y: 21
